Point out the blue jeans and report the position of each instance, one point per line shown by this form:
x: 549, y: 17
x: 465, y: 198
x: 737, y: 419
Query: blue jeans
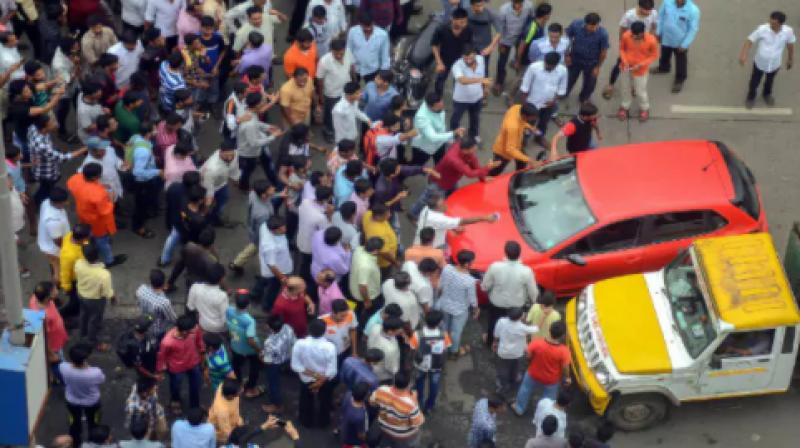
x: 172, y: 243
x: 422, y: 201
x: 433, y: 388
x: 526, y: 389
x: 103, y: 244
x: 454, y: 324
x: 221, y: 197
x: 274, y: 383
x: 195, y: 378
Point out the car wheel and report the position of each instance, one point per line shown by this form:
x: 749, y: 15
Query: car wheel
x: 638, y: 411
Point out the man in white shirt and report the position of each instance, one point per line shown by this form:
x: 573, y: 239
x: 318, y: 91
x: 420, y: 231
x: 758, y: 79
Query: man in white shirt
x: 384, y: 338
x: 223, y: 165
x: 423, y: 280
x: 129, y: 51
x: 102, y: 153
x: 9, y: 54
x: 163, y: 14
x: 470, y: 88
x: 313, y: 214
x: 557, y: 408
x: 771, y: 39
x: 53, y: 225
x: 239, y: 14
x: 314, y: 361
x: 554, y: 41
x: 398, y: 290
x: 511, y: 336
x: 345, y: 220
x: 346, y: 114
x: 210, y: 301
x: 88, y: 109
x: 433, y: 216
x: 275, y: 261
x: 543, y: 84
x: 644, y: 12
x: 510, y: 284
x: 256, y: 21
x: 334, y: 70
x: 334, y: 12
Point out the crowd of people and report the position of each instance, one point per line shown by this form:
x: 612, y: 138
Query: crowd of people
x: 340, y: 309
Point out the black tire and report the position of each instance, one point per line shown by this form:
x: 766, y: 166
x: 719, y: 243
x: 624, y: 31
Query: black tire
x: 637, y: 411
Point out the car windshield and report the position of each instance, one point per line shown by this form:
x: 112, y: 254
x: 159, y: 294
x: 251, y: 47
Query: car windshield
x: 548, y: 205
x: 689, y: 310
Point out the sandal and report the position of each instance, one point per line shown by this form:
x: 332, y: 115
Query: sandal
x: 608, y: 92
x: 644, y: 116
x: 259, y: 390
x: 622, y: 114
x: 146, y: 233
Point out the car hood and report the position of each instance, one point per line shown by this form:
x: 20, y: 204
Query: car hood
x: 630, y: 326
x: 485, y: 239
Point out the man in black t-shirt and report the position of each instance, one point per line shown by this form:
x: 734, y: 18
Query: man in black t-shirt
x: 448, y: 44
x: 21, y: 111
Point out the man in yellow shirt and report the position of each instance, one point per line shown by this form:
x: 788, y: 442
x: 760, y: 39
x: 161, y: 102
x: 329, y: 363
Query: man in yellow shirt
x: 296, y: 98
x: 509, y: 144
x: 224, y: 412
x: 93, y: 283
x: 71, y: 251
x: 375, y: 223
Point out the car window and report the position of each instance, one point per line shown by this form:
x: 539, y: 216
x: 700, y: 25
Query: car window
x: 618, y: 236
x: 679, y: 225
x: 746, y: 344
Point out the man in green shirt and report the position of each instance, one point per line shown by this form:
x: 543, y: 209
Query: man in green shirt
x: 127, y: 117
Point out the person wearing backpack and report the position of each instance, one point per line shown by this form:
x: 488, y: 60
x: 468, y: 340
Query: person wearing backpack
x: 431, y: 343
x: 138, y: 350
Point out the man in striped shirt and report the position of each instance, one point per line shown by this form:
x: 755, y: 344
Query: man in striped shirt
x: 153, y: 302
x: 398, y: 413
x: 172, y: 80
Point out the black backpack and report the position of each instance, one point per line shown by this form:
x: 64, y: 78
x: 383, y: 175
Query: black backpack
x: 431, y: 351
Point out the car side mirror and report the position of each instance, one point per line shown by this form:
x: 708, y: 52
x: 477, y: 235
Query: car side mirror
x: 576, y: 259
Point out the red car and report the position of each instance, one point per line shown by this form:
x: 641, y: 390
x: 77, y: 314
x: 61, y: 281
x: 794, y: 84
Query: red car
x: 611, y: 211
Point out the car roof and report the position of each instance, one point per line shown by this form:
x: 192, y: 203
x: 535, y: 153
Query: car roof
x: 649, y: 178
x: 748, y: 286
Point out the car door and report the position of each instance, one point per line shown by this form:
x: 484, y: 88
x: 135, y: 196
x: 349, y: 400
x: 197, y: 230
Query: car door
x: 666, y: 234
x: 743, y: 363
x: 608, y: 251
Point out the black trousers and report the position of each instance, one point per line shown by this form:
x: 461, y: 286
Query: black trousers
x: 545, y: 115
x: 327, y: 114
x: 755, y: 80
x: 247, y: 165
x: 441, y: 79
x: 305, y: 273
x: 420, y: 157
x: 43, y: 192
x: 474, y: 111
x: 612, y: 78
x: 518, y: 165
x: 495, y: 313
x: 298, y: 16
x: 238, y: 362
x: 315, y: 407
x: 76, y: 413
x: 574, y: 71
x: 504, y: 52
x: 144, y: 204
x: 681, y: 62
x: 92, y: 311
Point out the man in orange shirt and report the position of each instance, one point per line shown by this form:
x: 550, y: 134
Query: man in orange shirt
x: 302, y: 53
x: 637, y: 50
x: 95, y: 208
x: 509, y: 144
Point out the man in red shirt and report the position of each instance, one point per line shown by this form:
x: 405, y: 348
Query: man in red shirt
x: 293, y: 305
x: 550, y: 360
x: 459, y: 161
x: 181, y: 354
x: 56, y: 332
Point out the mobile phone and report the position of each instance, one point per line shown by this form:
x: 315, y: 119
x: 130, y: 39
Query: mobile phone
x: 281, y: 423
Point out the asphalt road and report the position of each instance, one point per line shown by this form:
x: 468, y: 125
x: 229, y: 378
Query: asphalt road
x: 708, y: 108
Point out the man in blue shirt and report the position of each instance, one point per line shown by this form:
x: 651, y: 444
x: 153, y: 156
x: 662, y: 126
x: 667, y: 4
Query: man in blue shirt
x: 678, y: 22
x: 377, y: 95
x: 194, y: 431
x: 587, y: 53
x: 244, y: 342
x: 369, y: 46
x: 356, y: 370
x: 147, y: 178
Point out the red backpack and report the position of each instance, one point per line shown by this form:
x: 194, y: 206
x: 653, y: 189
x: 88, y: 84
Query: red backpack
x: 370, y: 143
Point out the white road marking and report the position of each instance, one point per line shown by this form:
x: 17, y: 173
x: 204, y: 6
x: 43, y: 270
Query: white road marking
x: 683, y: 109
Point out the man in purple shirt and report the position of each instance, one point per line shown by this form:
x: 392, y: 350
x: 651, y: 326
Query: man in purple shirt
x: 82, y: 390
x: 327, y: 252
x: 256, y: 53
x: 389, y: 187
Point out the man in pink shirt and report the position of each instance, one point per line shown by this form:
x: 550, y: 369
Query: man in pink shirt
x: 181, y: 354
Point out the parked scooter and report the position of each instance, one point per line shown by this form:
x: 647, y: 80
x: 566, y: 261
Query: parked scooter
x: 413, y: 63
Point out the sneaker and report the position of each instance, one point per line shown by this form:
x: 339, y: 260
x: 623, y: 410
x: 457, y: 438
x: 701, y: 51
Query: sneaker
x: 622, y: 114
x: 677, y: 87
x: 118, y: 260
x: 749, y: 103
x: 658, y: 71
x: 644, y: 116
x: 770, y: 100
